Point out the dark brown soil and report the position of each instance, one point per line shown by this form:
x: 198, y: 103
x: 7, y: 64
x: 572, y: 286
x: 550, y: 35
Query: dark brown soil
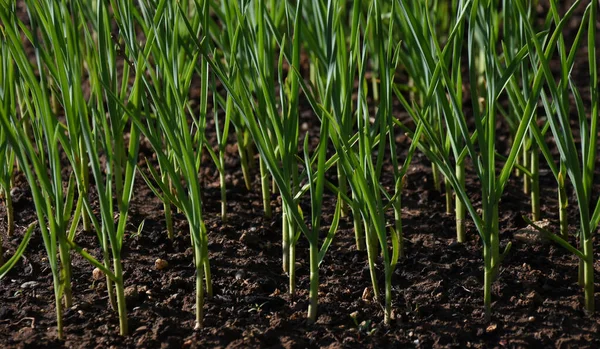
x: 438, y: 298
x: 437, y: 287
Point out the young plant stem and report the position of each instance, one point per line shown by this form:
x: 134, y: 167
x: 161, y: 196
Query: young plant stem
x: 285, y: 239
x: 243, y: 153
x: 563, y: 202
x: 372, y: 255
x: 121, y: 304
x: 10, y: 214
x: 449, y: 191
x: 222, y: 134
x: 314, y: 281
x: 460, y: 210
x: 518, y: 163
x: 343, y: 188
x: 65, y: 259
x: 491, y: 256
x: 110, y: 289
x: 526, y: 164
x: 249, y: 147
x: 387, y: 315
x: 206, y: 262
x: 588, y: 274
x: 223, y: 189
x: 198, y: 262
x: 59, y: 307
x: 83, y: 190
x: 265, y: 183
x: 535, y: 183
x: 167, y: 209
x: 168, y: 218
x: 437, y: 181
x: 581, y: 270
x: 488, y: 279
x: 292, y: 260
x: 398, y: 223
x: 359, y: 233
x: 375, y: 87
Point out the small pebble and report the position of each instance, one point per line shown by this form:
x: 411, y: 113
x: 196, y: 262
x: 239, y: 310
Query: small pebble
x: 366, y: 296
x: 97, y: 274
x: 531, y: 319
x: 160, y: 264
x: 29, y: 284
x: 132, y: 295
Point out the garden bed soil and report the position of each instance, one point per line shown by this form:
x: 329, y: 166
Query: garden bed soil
x: 437, y: 292
x: 437, y: 287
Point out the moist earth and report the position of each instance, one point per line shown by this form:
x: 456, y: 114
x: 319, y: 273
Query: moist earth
x: 437, y: 292
x: 437, y: 287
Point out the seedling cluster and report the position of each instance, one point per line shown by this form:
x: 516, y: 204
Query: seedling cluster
x: 456, y: 68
